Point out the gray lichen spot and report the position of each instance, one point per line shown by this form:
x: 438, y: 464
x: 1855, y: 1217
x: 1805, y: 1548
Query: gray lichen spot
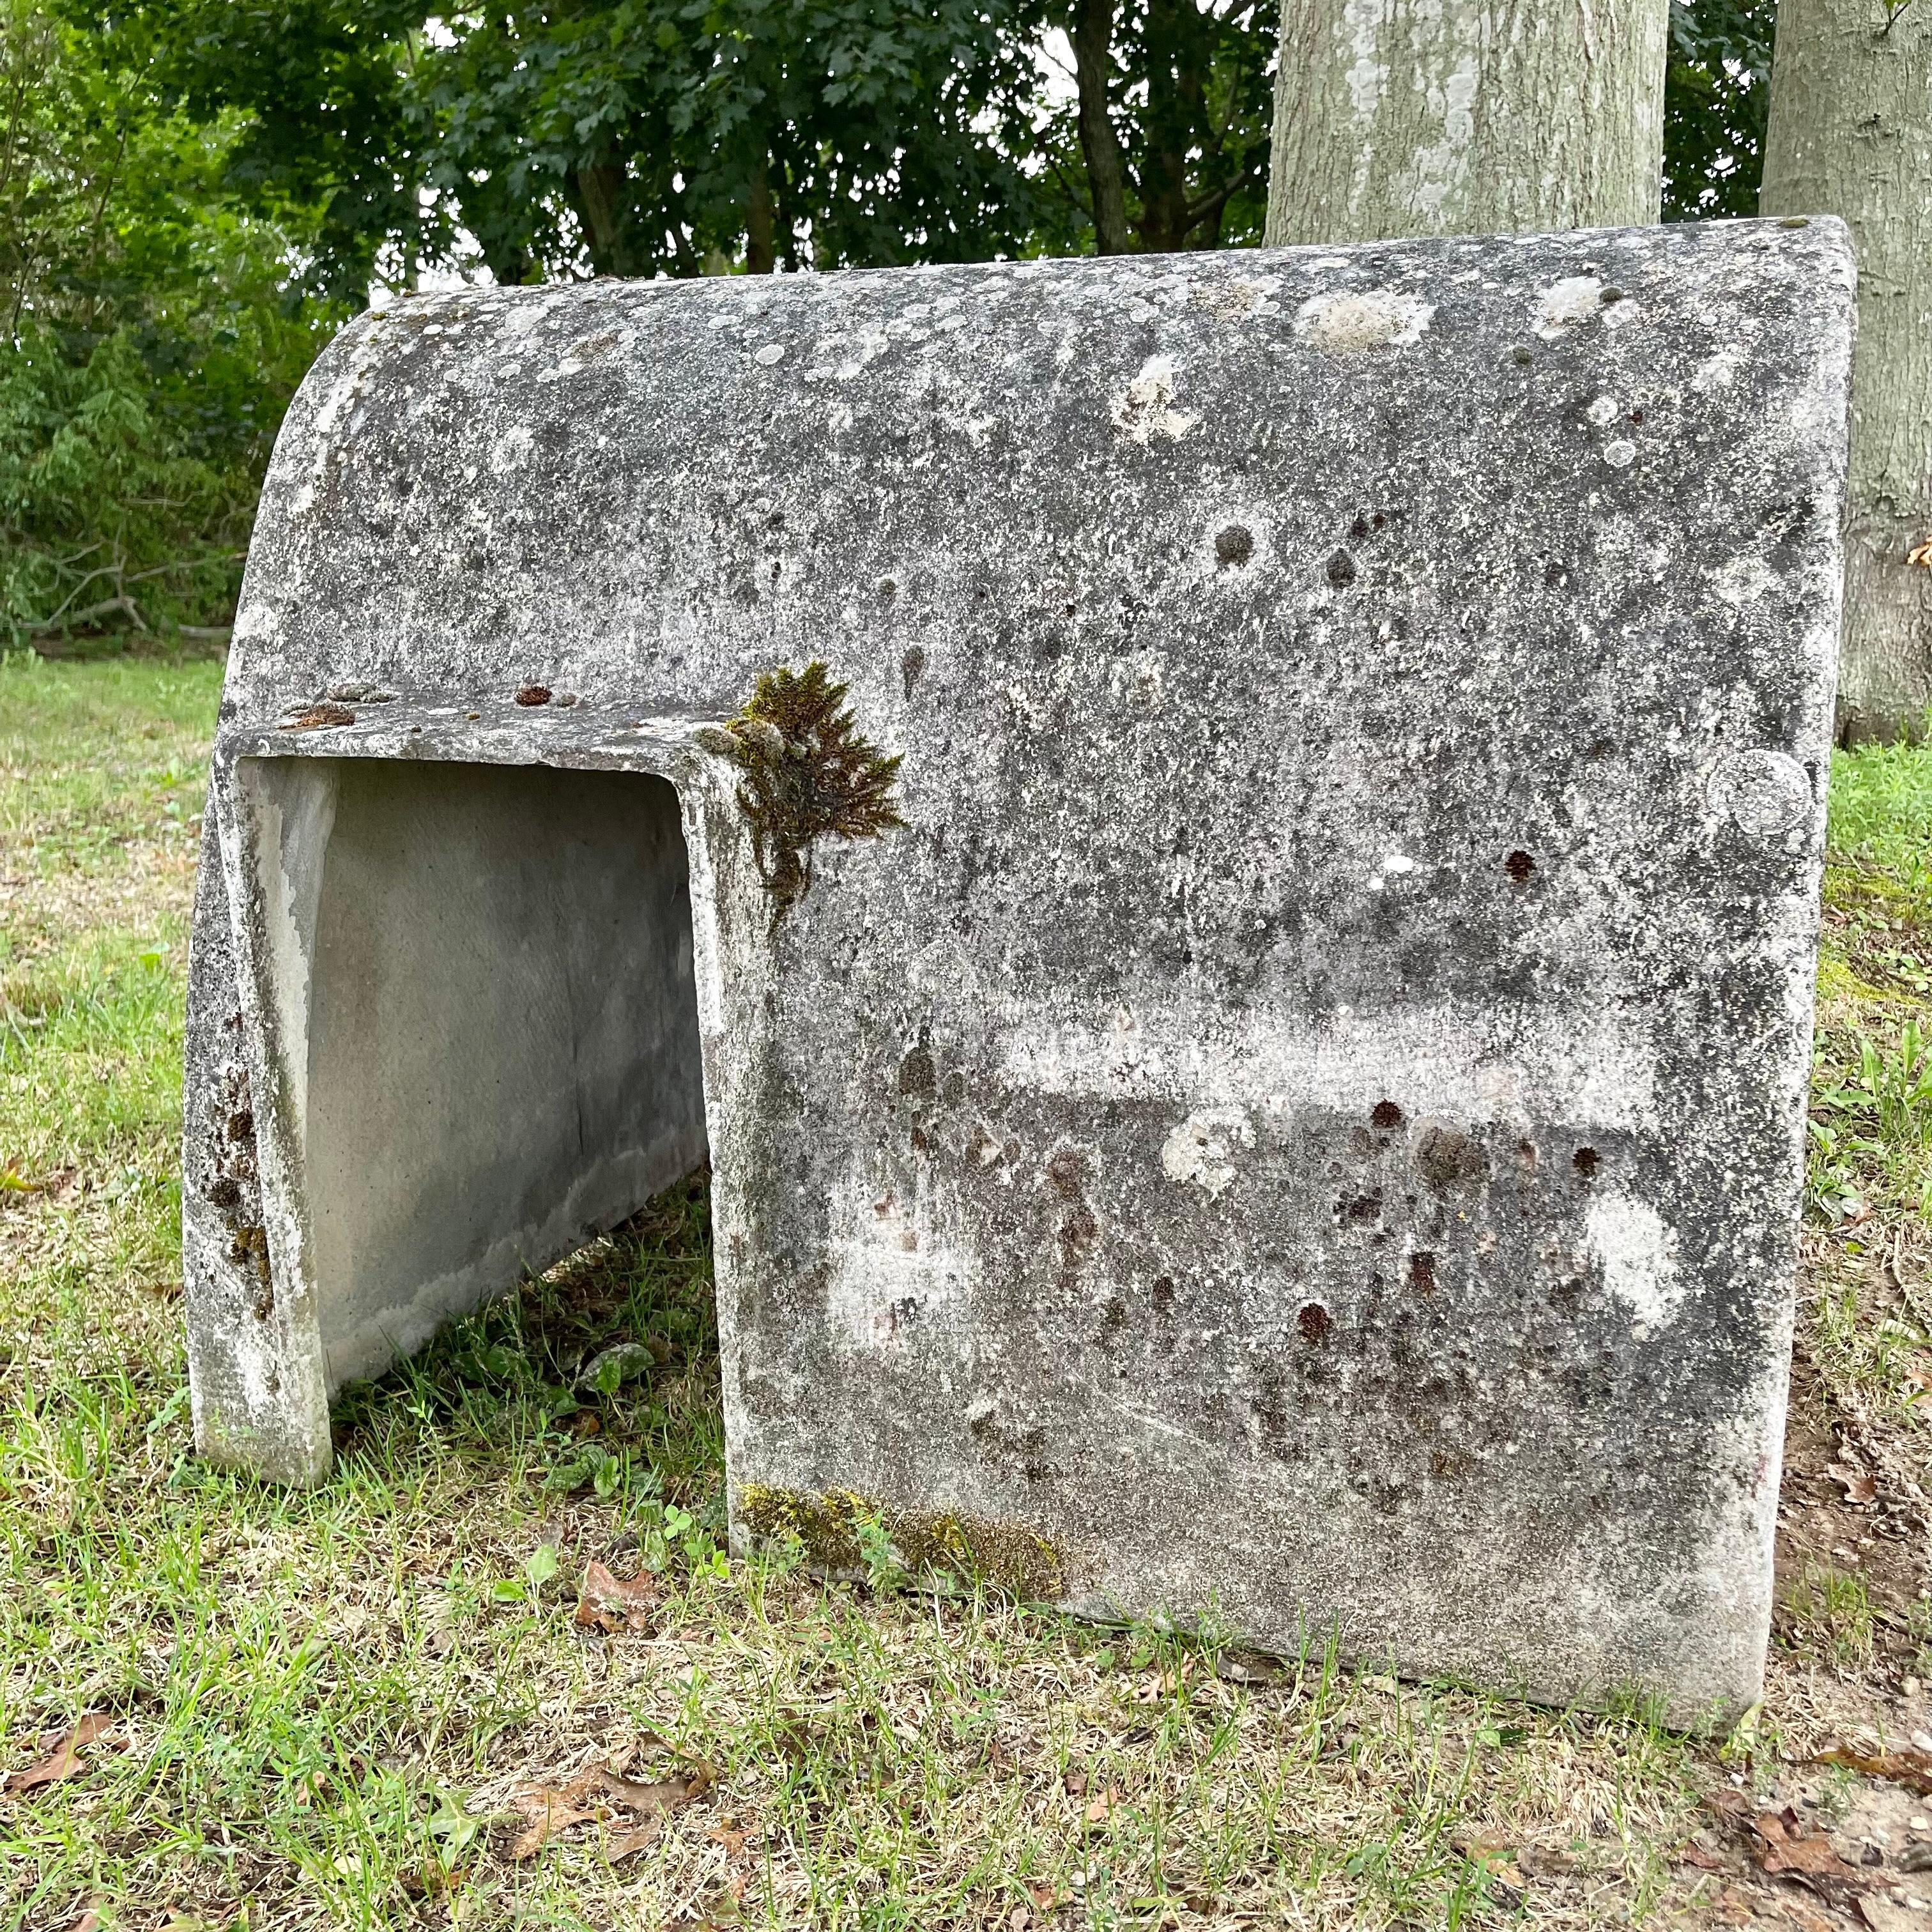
x: 1764, y: 793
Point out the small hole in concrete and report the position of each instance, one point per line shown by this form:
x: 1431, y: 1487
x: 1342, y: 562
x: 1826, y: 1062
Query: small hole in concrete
x: 1234, y: 545
x: 1518, y: 865
x: 1341, y: 569
x: 1422, y: 1273
x: 1314, y: 1322
x: 1359, y: 529
x: 1586, y: 1161
x: 1163, y: 1296
x: 1387, y: 1115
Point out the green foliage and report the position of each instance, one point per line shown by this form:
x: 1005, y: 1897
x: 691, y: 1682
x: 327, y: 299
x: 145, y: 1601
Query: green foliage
x: 320, y: 95
x: 1182, y: 94
x: 149, y: 349
x: 1882, y: 814
x: 1870, y: 1140
x: 1717, y: 90
x: 649, y: 136
x: 640, y: 137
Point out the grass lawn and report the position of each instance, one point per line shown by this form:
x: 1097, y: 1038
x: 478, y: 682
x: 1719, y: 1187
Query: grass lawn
x: 409, y: 1697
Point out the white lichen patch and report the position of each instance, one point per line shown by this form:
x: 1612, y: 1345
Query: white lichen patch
x: 894, y: 1283
x: 1347, y: 323
x: 1145, y: 409
x: 1201, y: 1151
x: 1717, y: 372
x: 1568, y: 304
x: 1462, y: 1063
x: 1602, y: 411
x: 1636, y: 1251
x: 1620, y: 454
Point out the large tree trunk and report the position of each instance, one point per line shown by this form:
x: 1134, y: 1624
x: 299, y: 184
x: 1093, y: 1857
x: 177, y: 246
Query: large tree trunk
x: 1444, y: 117
x: 1092, y: 34
x: 1851, y: 135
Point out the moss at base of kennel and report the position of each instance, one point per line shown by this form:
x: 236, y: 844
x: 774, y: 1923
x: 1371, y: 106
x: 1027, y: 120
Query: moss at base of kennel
x: 830, y: 1526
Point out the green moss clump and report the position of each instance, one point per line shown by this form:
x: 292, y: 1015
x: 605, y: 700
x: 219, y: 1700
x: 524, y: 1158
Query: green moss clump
x: 807, y: 771
x: 1010, y: 1556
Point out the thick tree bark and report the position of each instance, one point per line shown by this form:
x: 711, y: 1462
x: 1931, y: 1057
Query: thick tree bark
x: 1851, y: 135
x: 1443, y: 117
x: 1092, y: 34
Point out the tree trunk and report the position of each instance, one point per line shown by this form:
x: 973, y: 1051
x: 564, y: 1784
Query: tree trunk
x: 602, y: 204
x: 1177, y: 79
x: 1397, y: 118
x: 1851, y: 135
x: 760, y: 249
x: 1092, y: 38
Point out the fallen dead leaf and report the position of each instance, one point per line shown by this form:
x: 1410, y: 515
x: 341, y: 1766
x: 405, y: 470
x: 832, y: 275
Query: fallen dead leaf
x: 626, y: 1844
x: 639, y: 1744
x: 608, y: 1603
x: 1099, y: 1809
x: 1785, y: 1849
x: 732, y: 1840
x: 1911, y: 1768
x: 547, y: 1811
x: 65, y: 1760
x: 1695, y: 1854
x: 1858, y: 1486
x: 650, y: 1804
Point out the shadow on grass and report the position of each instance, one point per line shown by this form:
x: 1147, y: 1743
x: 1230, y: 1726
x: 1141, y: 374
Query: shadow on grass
x: 598, y: 1377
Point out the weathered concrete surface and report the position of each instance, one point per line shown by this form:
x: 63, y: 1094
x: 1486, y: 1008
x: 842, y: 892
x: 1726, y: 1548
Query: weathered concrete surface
x: 1309, y: 1115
